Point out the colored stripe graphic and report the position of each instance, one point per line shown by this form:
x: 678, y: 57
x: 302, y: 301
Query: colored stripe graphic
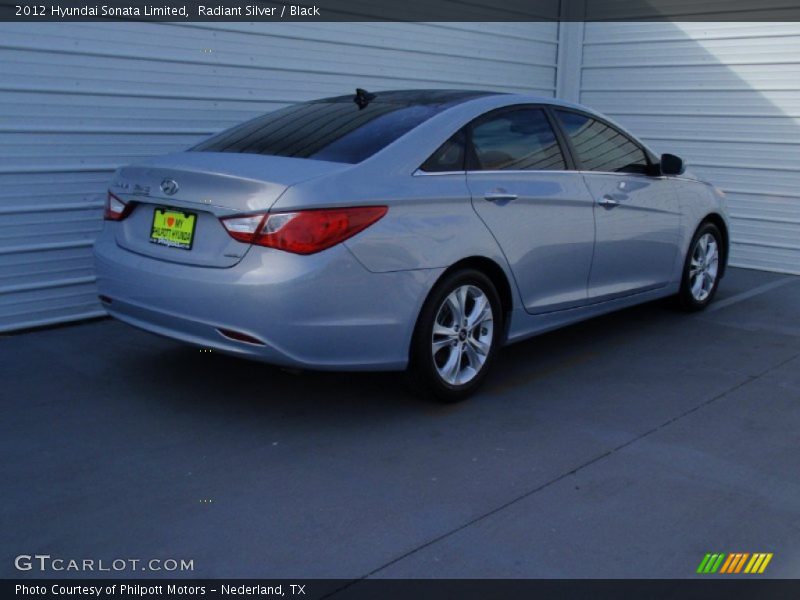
x: 728, y: 562
x: 734, y: 563
x: 737, y: 563
x: 712, y: 567
x: 754, y: 563
x: 764, y: 564
x: 741, y: 562
x: 702, y: 567
x: 710, y: 563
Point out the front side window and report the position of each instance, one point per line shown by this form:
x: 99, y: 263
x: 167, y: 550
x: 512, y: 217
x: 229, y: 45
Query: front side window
x: 600, y: 147
x: 520, y: 139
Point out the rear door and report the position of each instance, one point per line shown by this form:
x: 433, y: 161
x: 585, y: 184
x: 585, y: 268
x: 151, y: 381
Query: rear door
x: 636, y: 210
x: 539, y: 211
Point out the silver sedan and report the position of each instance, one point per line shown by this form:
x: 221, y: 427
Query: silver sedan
x: 405, y: 230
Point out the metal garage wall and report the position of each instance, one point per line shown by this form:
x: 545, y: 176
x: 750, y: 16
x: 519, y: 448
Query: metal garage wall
x: 725, y: 96
x: 79, y: 99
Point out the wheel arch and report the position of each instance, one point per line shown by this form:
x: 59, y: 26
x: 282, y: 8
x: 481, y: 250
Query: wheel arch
x: 495, y: 273
x: 719, y: 221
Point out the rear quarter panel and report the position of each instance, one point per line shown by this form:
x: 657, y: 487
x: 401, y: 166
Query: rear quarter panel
x: 430, y: 223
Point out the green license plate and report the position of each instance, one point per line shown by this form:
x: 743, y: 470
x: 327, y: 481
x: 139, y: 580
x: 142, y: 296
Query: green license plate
x: 173, y: 228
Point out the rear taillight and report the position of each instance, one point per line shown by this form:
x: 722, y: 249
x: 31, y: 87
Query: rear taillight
x: 303, y: 231
x: 116, y: 209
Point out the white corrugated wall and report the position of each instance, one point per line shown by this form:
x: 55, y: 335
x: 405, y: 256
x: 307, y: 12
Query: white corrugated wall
x: 726, y: 97
x: 79, y: 99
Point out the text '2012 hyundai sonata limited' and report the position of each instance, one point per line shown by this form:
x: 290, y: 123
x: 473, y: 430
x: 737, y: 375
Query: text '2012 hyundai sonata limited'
x: 404, y: 230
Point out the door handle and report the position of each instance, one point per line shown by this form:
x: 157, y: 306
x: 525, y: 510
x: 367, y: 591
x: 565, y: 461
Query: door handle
x: 499, y: 196
x: 608, y: 202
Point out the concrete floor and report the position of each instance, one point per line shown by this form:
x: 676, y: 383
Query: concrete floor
x: 627, y: 446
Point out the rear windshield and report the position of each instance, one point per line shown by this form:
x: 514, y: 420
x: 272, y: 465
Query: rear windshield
x: 334, y: 130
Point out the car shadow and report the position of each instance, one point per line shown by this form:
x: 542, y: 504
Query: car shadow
x: 221, y: 384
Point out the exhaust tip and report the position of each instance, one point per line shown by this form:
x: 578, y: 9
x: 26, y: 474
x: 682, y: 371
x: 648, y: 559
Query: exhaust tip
x: 238, y: 336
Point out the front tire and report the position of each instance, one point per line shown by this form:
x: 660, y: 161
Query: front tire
x: 457, y: 336
x: 702, y: 268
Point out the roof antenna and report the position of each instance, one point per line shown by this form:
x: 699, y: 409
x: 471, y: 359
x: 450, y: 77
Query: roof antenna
x: 362, y: 98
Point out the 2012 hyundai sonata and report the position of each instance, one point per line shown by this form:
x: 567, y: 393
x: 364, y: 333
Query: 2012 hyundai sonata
x: 405, y: 230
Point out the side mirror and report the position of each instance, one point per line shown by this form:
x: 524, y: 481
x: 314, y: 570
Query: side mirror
x: 672, y: 165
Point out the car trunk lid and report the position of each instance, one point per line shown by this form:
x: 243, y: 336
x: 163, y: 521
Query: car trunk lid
x: 206, y: 186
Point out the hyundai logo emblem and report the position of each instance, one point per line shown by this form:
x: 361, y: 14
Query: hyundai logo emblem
x: 169, y: 187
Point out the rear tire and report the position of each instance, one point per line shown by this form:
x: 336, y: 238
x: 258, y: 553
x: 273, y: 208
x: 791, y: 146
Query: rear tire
x: 456, y: 337
x: 702, y: 268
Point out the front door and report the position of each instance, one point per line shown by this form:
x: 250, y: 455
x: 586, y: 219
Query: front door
x: 637, y: 222
x: 637, y: 216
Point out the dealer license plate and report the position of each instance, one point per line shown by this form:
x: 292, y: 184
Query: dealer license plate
x: 173, y: 228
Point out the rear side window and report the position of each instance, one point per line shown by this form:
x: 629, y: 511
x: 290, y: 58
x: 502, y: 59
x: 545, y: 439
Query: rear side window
x: 449, y: 156
x: 520, y: 139
x: 600, y: 147
x: 336, y: 131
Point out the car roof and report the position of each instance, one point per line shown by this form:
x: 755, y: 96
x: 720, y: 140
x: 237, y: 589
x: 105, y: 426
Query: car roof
x: 453, y: 97
x: 417, y: 97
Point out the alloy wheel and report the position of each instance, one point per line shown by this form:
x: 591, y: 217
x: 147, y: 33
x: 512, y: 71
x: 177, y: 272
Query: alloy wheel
x: 463, y: 333
x: 704, y: 267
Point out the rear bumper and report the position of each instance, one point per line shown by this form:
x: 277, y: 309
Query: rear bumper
x: 324, y: 311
